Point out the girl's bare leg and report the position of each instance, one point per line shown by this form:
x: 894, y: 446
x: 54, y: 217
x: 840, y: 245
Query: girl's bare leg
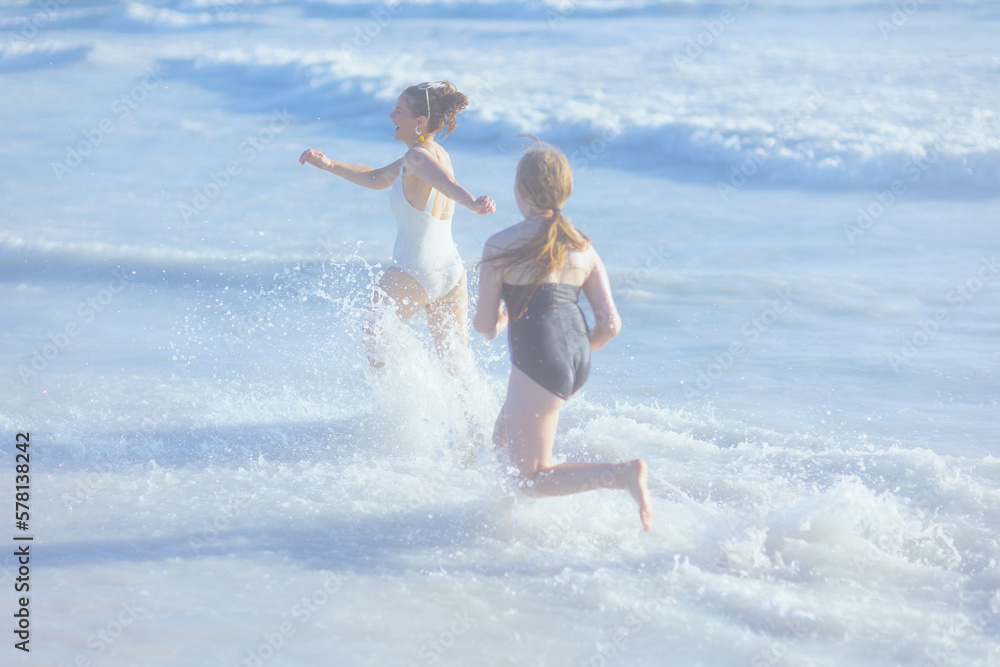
x: 529, y: 419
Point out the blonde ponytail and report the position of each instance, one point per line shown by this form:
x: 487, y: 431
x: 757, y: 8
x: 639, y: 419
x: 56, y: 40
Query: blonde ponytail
x: 545, y: 179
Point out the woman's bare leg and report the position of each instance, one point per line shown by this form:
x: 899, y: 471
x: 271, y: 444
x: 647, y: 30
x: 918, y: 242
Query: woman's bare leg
x: 404, y: 294
x: 448, y: 320
x: 528, y: 422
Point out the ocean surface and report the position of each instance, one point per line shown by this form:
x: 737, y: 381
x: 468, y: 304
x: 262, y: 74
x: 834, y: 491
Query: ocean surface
x: 798, y: 205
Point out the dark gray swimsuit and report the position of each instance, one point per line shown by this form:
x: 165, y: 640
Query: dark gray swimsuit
x: 549, y: 343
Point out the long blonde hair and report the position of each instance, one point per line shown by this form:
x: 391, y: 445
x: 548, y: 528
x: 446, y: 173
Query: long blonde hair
x: 545, y: 179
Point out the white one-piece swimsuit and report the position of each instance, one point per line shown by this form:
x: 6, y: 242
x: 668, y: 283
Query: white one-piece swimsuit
x: 424, y: 247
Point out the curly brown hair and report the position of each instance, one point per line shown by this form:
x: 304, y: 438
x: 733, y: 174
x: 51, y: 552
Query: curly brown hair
x: 445, y: 103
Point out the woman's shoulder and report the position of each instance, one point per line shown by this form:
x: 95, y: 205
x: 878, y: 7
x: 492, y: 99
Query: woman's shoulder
x: 416, y: 155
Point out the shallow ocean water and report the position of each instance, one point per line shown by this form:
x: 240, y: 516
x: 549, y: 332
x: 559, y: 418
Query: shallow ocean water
x: 808, y: 364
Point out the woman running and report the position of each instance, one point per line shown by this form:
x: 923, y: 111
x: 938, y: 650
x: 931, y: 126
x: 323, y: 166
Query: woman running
x: 426, y: 271
x: 538, y: 268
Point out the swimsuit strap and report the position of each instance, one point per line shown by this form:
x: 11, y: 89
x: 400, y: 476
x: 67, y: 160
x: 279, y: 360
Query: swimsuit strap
x: 430, y: 202
x: 430, y: 197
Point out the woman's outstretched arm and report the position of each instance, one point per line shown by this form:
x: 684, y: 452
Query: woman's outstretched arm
x: 376, y: 179
x: 434, y: 174
x: 597, y: 289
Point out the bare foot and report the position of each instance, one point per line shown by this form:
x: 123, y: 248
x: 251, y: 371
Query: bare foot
x: 637, y: 487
